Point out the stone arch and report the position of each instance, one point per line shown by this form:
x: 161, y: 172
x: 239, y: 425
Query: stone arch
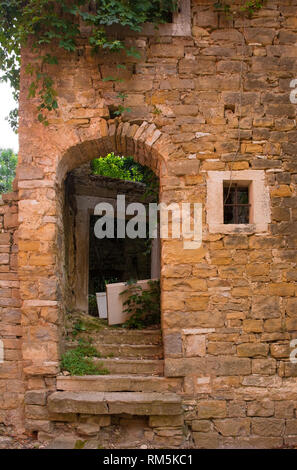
x: 147, y: 144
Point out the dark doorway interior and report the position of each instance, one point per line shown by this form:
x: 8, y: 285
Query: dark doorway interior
x: 116, y: 260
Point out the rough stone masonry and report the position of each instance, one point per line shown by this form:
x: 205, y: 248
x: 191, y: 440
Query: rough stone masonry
x: 229, y: 309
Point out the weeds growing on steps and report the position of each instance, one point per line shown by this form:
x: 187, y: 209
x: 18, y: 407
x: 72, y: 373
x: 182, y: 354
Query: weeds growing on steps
x: 79, y: 361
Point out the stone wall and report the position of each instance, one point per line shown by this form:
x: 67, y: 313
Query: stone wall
x: 11, y: 375
x: 228, y: 308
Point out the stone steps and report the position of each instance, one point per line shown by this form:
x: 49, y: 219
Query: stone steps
x: 140, y: 351
x: 122, y: 336
x: 118, y: 383
x: 147, y: 351
x: 133, y: 366
x: 108, y: 403
x: 135, y: 386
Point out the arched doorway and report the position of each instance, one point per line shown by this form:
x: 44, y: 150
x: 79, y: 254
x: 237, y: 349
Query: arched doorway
x: 121, y: 138
x: 41, y: 230
x: 92, y: 262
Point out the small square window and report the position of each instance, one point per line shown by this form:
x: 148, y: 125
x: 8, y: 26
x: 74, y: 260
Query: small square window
x: 236, y: 203
x: 244, y: 208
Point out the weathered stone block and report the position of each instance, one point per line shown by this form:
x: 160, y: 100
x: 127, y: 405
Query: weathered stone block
x: 29, y: 172
x: 195, y: 345
x: 232, y: 366
x: 167, y: 50
x: 260, y: 408
x: 233, y: 426
x: 282, y: 289
x: 36, y: 397
x: 264, y: 307
x: 208, y: 440
x: 291, y: 307
x: 211, y: 409
x: 236, y: 409
x: 85, y: 429
x: 262, y: 36
x: 36, y: 412
x: 264, y: 366
x: 38, y: 425
x: 269, y: 427
x: 159, y: 421
x: 280, y: 350
x: 184, y: 366
x: 284, y: 409
x: 10, y: 220
x: 291, y: 427
x: 253, y: 326
x: 252, y: 349
x: 173, y: 344
x: 201, y: 425
x: 221, y: 348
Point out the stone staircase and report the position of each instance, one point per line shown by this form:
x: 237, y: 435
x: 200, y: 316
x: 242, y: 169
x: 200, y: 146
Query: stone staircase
x: 135, y: 386
x: 119, y: 383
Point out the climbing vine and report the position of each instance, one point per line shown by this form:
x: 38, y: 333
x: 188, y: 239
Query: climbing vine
x: 248, y: 6
x: 56, y: 25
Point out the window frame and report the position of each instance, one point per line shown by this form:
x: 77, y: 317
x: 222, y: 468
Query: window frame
x: 259, y: 198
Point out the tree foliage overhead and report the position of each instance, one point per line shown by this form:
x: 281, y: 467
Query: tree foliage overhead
x: 125, y: 168
x: 56, y: 24
x: 8, y: 162
x: 114, y: 166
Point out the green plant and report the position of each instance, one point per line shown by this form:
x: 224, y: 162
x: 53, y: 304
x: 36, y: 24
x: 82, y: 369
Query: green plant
x: 48, y: 25
x: 115, y: 166
x: 8, y: 162
x: 125, y: 168
x: 80, y: 444
x: 143, y: 305
x: 156, y: 110
x: 85, y: 349
x: 93, y: 309
x: 78, y: 327
x: 248, y: 6
x: 78, y: 361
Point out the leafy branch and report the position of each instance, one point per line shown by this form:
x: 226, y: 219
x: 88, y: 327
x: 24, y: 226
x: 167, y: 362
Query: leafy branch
x: 55, y: 24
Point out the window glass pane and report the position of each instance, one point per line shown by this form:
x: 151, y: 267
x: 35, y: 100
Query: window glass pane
x: 243, y: 196
x: 236, y: 204
x: 229, y: 194
x: 243, y: 214
x: 229, y: 215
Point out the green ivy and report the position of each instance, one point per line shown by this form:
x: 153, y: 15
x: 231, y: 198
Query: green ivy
x: 248, y: 6
x: 56, y: 24
x: 79, y: 361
